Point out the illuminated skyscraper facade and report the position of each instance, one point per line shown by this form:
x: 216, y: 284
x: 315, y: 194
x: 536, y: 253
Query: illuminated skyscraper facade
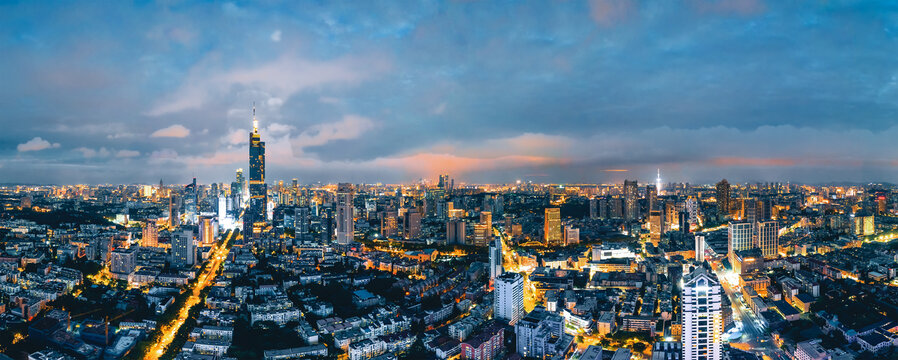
x: 345, y: 224
x: 631, y: 200
x: 552, y: 227
x: 150, y: 234
x: 702, y: 316
x: 767, y: 238
x: 739, y: 238
x: 256, y: 215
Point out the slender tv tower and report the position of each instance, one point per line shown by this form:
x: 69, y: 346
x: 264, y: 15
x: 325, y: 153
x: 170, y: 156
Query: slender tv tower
x: 658, y: 183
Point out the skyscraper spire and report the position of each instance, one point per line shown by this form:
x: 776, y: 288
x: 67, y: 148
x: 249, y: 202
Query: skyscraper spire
x: 255, y: 122
x: 658, y: 183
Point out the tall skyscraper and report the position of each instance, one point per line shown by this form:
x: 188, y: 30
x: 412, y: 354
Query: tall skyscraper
x: 767, y: 238
x: 254, y: 220
x: 183, y: 250
x: 508, y: 298
x: 702, y: 316
x: 150, y: 234
x: 723, y: 198
x: 658, y: 184
x: 345, y: 224
x: 631, y: 198
x: 191, y: 202
x: 495, y: 258
x: 552, y: 227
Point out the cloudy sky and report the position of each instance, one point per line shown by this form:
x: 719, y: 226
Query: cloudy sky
x: 487, y: 91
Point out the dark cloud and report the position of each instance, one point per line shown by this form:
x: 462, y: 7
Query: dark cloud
x: 750, y: 90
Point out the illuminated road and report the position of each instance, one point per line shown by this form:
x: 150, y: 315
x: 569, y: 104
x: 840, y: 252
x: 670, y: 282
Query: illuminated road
x: 168, y: 331
x: 511, y: 263
x: 752, y: 332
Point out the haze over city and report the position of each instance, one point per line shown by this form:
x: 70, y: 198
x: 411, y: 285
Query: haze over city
x: 558, y: 92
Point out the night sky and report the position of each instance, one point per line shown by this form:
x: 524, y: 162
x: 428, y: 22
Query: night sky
x: 487, y: 91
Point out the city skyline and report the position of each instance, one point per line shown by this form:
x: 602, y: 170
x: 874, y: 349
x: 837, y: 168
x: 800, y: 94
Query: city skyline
x: 748, y: 90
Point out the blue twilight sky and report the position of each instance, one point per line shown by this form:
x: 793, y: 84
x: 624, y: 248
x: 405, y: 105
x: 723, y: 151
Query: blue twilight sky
x: 488, y: 91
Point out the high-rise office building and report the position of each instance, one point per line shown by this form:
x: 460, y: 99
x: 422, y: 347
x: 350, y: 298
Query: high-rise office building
x: 723, y: 198
x: 150, y: 234
x: 702, y: 318
x: 766, y: 237
x: 739, y: 238
x: 256, y: 216
x: 552, y: 227
x: 183, y: 250
x: 495, y: 258
x: 658, y: 184
x: 631, y: 200
x: 508, y: 297
x: 345, y: 222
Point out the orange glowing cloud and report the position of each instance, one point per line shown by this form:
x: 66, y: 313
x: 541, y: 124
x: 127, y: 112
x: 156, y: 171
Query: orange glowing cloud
x: 743, y: 161
x: 433, y: 163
